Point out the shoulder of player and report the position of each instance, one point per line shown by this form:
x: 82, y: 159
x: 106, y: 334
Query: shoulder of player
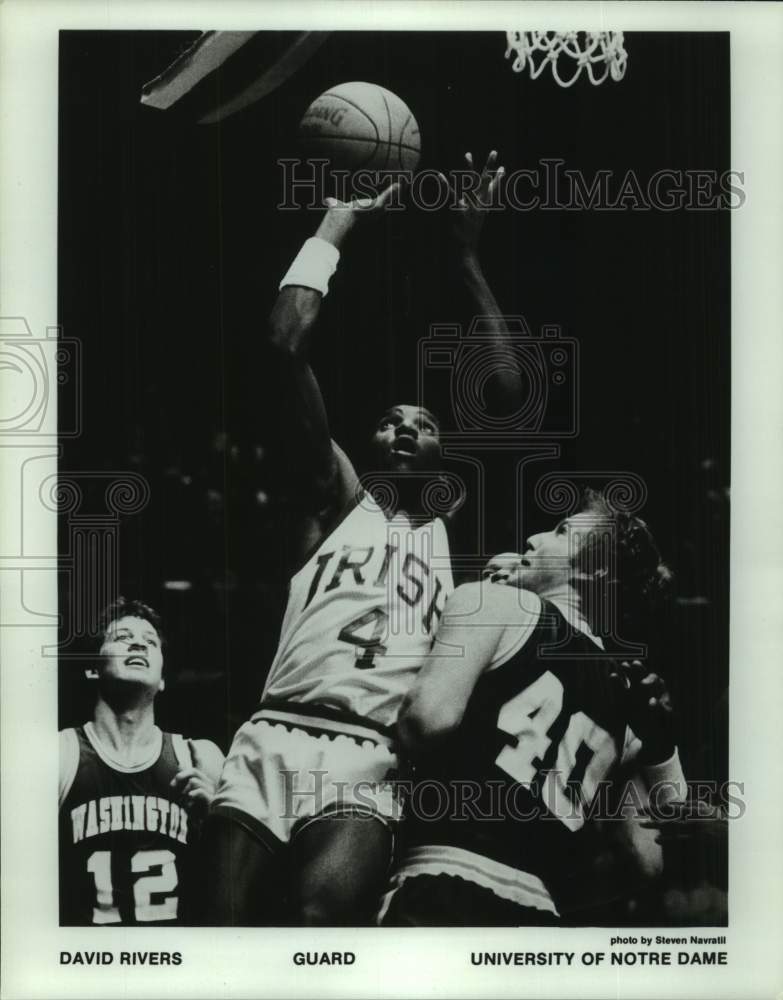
x: 209, y: 755
x: 344, y: 464
x: 329, y: 493
x: 322, y: 511
x: 340, y: 495
x: 69, y: 760
x: 493, y: 603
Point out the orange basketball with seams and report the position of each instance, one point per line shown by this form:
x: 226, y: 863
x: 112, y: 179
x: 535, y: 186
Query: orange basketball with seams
x: 361, y: 125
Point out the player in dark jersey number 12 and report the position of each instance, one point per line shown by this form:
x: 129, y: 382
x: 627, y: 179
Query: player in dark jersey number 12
x: 131, y: 796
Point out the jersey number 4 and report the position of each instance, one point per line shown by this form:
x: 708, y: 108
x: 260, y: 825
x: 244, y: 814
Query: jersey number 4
x: 106, y: 911
x: 365, y: 633
x: 585, y: 746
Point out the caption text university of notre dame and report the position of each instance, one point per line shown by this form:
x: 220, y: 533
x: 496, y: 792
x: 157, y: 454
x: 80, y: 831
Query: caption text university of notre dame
x: 628, y: 956
x: 625, y: 957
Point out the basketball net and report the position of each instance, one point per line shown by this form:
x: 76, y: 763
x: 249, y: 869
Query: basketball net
x: 599, y: 53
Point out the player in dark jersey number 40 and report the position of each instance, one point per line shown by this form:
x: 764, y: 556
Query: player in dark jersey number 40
x: 131, y: 796
x: 518, y: 721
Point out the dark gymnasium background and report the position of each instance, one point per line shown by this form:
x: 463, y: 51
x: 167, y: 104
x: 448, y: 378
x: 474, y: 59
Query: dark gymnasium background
x: 170, y: 253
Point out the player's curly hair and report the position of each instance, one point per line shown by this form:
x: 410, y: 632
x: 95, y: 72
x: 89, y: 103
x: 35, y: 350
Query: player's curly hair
x: 625, y: 567
x: 123, y: 608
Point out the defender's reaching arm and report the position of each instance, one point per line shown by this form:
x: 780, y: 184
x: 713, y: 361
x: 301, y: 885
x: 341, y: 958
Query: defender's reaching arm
x: 503, y: 390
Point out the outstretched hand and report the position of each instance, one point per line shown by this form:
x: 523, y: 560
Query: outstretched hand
x: 365, y: 208
x: 648, y: 707
x: 473, y: 199
x: 341, y: 216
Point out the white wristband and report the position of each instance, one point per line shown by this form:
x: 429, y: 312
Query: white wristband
x: 313, y: 266
x: 668, y: 780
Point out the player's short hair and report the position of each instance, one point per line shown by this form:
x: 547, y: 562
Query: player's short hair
x: 124, y: 608
x: 628, y: 560
x: 432, y: 416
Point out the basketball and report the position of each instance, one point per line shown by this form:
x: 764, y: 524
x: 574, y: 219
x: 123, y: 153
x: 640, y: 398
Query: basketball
x: 361, y: 125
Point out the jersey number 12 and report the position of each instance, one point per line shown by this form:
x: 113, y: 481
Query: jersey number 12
x: 106, y: 911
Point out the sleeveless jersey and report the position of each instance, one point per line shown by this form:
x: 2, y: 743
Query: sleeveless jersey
x: 124, y: 839
x: 361, y: 614
x: 532, y: 761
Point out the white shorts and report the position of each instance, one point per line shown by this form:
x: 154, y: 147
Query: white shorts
x: 284, y: 769
x: 512, y: 884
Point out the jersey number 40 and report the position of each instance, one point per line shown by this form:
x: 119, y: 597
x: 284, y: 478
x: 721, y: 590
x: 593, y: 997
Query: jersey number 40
x: 584, y: 746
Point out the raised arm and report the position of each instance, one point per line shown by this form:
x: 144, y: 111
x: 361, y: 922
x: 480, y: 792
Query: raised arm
x: 320, y: 473
x: 503, y: 390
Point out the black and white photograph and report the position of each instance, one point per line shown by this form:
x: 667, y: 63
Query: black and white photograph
x: 386, y: 434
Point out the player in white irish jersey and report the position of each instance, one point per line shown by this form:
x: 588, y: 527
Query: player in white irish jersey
x: 306, y: 794
x: 360, y: 614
